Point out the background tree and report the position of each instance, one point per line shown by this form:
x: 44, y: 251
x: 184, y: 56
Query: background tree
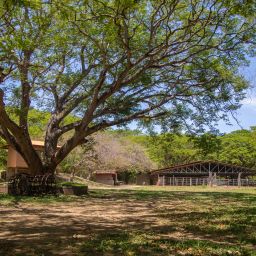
x: 82, y: 161
x: 109, y: 151
x: 170, y: 149
x: 239, y: 147
x: 110, y: 62
x: 117, y: 152
x: 208, y: 145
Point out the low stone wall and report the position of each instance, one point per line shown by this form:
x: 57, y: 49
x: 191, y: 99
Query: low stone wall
x: 75, y: 190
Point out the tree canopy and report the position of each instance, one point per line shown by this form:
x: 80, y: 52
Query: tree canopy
x: 111, y: 62
x: 237, y: 147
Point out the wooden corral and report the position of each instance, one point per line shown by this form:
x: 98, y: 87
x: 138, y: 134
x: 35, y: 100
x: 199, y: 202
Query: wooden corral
x: 204, y: 173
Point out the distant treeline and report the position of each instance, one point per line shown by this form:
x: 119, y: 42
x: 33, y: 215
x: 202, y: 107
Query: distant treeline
x: 237, y: 147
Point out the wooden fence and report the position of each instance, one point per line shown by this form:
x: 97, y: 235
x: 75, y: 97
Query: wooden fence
x: 195, y: 181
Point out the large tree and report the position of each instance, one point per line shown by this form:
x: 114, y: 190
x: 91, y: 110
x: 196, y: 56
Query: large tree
x: 108, y: 62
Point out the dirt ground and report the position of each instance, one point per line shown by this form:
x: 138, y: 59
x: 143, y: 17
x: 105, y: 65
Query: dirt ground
x: 61, y: 227
x: 56, y: 229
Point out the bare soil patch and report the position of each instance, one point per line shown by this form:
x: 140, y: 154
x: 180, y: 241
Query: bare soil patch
x: 121, y: 222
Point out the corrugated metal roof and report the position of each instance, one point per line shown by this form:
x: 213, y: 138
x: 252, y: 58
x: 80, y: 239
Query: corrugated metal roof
x: 174, y: 167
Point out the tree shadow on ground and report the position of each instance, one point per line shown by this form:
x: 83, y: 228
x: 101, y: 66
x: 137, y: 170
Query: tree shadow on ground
x: 123, y: 243
x: 130, y: 223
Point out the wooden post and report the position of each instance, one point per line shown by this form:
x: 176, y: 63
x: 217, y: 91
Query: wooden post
x: 163, y: 180
x: 239, y: 179
x: 210, y: 179
x: 190, y: 181
x: 214, y: 178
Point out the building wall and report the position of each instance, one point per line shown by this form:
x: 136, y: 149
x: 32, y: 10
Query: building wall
x: 16, y: 163
x: 3, y: 189
x: 105, y: 179
x: 15, y: 160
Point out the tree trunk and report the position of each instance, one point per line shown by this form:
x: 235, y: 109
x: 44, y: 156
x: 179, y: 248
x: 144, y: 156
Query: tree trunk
x: 51, y: 140
x: 49, y: 168
x: 35, y: 164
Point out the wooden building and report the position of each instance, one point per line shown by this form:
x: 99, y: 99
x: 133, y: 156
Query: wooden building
x: 106, y: 177
x: 15, y: 162
x: 204, y: 173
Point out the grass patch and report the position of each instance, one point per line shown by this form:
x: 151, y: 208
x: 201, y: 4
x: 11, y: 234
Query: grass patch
x: 71, y: 184
x: 46, y: 199
x: 150, y: 221
x: 131, y: 244
x: 222, y: 221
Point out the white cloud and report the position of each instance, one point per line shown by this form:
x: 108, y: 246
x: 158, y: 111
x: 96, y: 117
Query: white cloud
x: 251, y: 101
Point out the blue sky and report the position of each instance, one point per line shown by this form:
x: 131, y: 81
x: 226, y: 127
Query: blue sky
x: 246, y: 115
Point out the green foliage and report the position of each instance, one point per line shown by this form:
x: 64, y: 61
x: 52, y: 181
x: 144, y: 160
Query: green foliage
x: 239, y: 147
x: 3, y: 155
x: 207, y: 144
x: 110, y: 62
x: 37, y: 121
x: 170, y: 149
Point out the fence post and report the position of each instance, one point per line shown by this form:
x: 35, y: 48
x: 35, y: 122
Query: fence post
x: 214, y: 178
x: 239, y: 180
x: 210, y: 179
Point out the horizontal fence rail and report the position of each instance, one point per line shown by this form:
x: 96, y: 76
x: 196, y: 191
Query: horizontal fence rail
x: 194, y: 181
